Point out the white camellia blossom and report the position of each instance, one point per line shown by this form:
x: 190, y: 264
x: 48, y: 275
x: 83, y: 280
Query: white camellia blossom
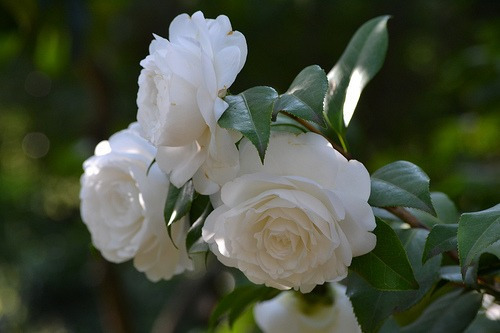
x: 289, y: 313
x: 122, y: 206
x: 297, y: 220
x: 180, y: 100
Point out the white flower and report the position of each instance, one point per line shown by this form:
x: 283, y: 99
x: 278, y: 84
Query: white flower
x: 296, y: 221
x: 122, y: 206
x: 179, y: 99
x: 289, y: 313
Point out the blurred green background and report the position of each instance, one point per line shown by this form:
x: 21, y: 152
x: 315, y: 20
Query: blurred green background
x: 68, y: 79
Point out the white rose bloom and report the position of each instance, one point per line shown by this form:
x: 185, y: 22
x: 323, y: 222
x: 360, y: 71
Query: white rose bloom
x: 122, y: 206
x: 289, y: 313
x: 296, y: 221
x: 179, y: 99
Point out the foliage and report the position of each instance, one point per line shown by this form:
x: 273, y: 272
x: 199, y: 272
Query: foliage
x: 69, y: 71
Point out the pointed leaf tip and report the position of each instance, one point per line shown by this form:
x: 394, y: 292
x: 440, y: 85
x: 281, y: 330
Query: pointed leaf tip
x: 250, y: 113
x: 359, y: 63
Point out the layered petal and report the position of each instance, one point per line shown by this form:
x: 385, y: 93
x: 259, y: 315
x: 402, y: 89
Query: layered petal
x: 179, y: 98
x: 122, y: 198
x: 288, y: 223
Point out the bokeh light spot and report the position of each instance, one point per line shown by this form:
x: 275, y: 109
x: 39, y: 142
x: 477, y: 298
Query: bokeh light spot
x: 36, y: 145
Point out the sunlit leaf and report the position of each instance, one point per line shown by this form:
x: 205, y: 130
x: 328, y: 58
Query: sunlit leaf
x: 359, y: 63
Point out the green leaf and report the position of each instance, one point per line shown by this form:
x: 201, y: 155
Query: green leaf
x: 483, y: 324
x: 446, y: 211
x: 238, y: 300
x: 150, y: 165
x: 373, y: 306
x: 194, y: 233
x: 359, y: 63
x: 476, y: 233
x: 178, y: 204
x: 250, y: 113
x: 442, y: 238
x: 199, y: 207
x: 401, y: 183
x: 451, y: 313
x: 387, y: 266
x: 305, y: 96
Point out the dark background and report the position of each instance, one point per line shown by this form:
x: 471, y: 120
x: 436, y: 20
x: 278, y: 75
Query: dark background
x: 68, y: 79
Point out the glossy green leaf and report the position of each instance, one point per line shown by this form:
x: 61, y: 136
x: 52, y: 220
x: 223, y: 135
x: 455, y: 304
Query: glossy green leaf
x: 446, y: 211
x: 476, y: 233
x: 442, y: 238
x: 250, y: 113
x: 197, y: 218
x: 304, y: 98
x: 359, y: 63
x: 387, y: 266
x: 403, y: 184
x: 150, y: 166
x: 199, y: 207
x: 234, y: 303
x: 172, y: 195
x: 373, y: 306
x: 451, y: 313
x: 178, y: 204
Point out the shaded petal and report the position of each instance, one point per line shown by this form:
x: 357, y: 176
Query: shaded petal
x: 181, y: 162
x: 358, y: 223
x: 306, y: 155
x: 227, y: 66
x: 353, y: 179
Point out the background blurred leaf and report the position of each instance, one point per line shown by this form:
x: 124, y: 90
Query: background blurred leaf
x: 240, y: 299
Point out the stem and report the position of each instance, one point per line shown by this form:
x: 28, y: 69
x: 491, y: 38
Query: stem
x: 409, y: 218
x: 313, y: 129
x: 342, y: 142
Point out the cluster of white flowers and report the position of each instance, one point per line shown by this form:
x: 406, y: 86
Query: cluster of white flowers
x: 294, y: 221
